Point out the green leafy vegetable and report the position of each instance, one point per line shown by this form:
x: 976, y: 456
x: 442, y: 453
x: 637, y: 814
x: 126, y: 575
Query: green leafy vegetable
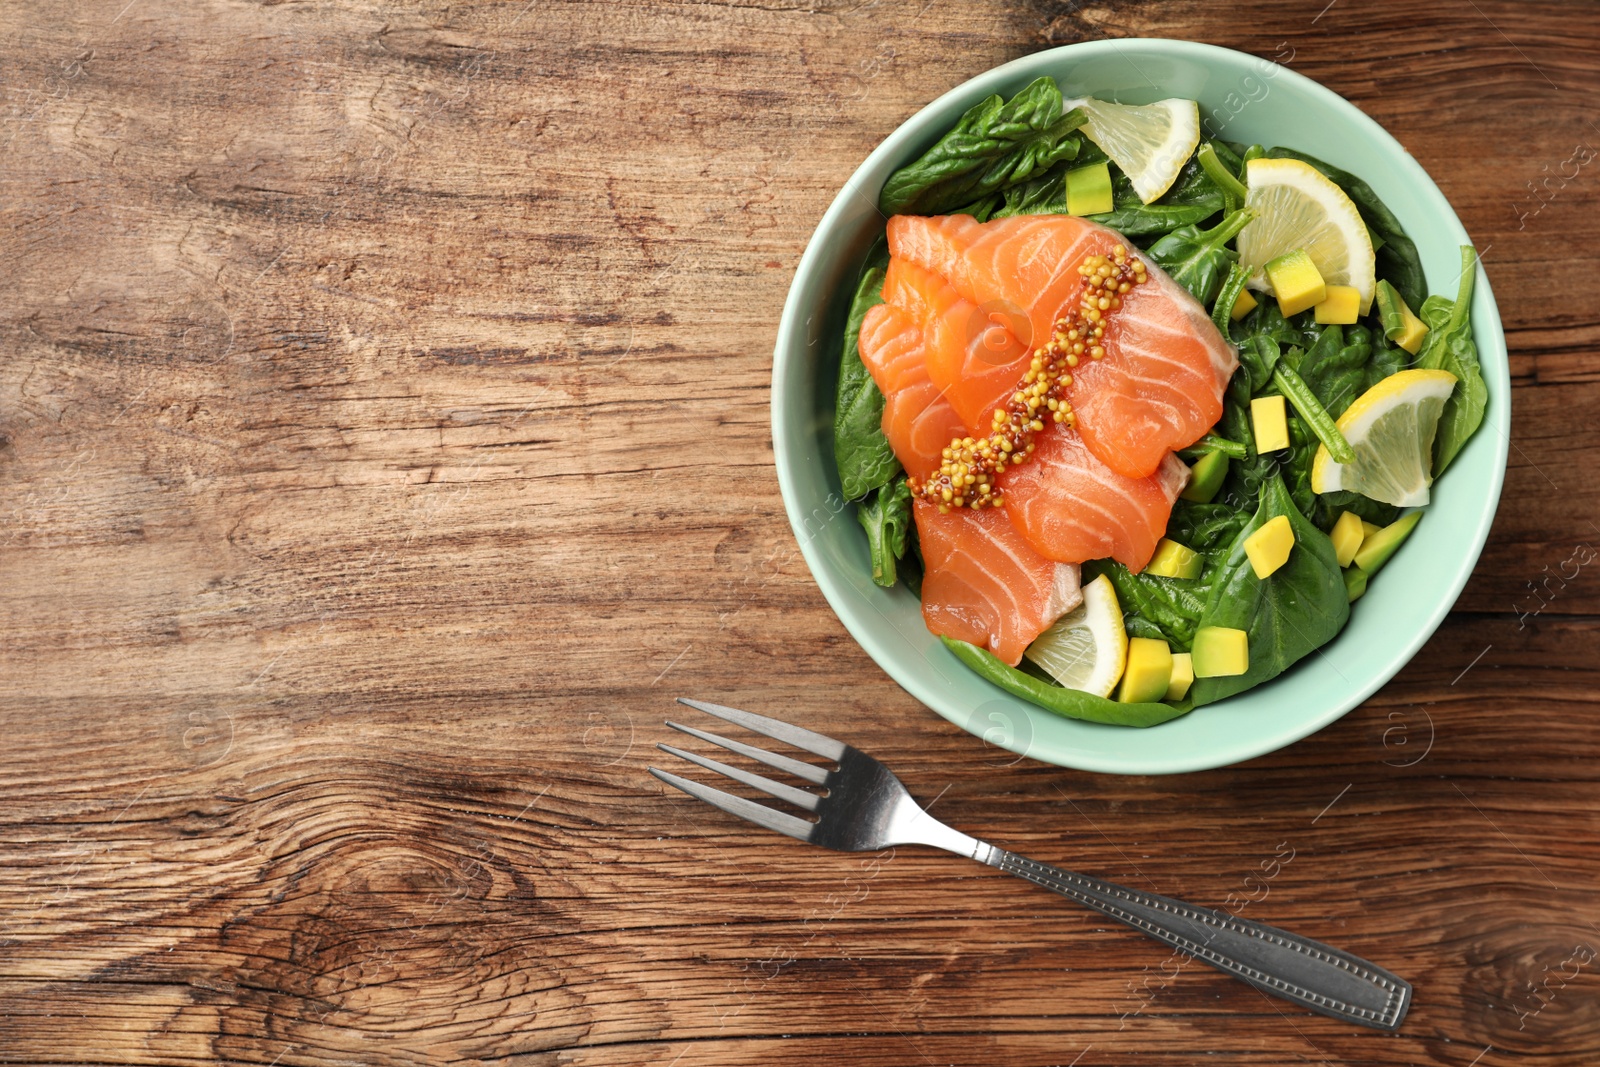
x: 1297, y: 609
x: 996, y: 144
x: 1397, y: 257
x: 1206, y: 528
x: 1335, y: 367
x: 1199, y: 259
x: 886, y: 516
x: 1171, y: 605
x: 1449, y: 346
x: 1193, y: 198
x: 860, y: 450
x: 1066, y: 702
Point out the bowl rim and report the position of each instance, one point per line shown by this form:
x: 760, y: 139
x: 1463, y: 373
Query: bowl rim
x: 793, y: 321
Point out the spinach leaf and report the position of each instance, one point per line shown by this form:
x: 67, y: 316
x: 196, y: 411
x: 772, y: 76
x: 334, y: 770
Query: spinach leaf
x: 1335, y: 366
x: 1200, y: 259
x: 886, y: 516
x: 1069, y: 703
x: 1293, y: 611
x: 997, y: 143
x: 1193, y: 198
x: 1386, y: 359
x: 1397, y: 257
x: 1449, y: 346
x: 860, y: 450
x: 1258, y: 357
x: 1170, y: 606
x: 1043, y: 195
x: 1205, y: 527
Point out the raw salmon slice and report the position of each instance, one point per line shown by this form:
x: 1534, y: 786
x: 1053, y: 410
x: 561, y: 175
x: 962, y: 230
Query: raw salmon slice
x: 1160, y: 386
x: 1071, y: 507
x: 972, y: 357
x: 985, y: 585
x: 917, y: 419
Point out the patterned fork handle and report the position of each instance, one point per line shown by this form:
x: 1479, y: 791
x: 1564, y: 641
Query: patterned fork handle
x: 1275, y: 961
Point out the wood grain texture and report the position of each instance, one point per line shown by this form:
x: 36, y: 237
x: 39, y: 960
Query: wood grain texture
x: 385, y: 402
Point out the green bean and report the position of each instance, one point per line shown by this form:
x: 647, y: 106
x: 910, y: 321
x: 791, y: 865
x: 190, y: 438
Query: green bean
x: 1292, y: 386
x: 1222, y: 310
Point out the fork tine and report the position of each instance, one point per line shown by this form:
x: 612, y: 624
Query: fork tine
x: 759, y: 814
x: 798, y: 797
x: 810, y: 772
x: 799, y: 737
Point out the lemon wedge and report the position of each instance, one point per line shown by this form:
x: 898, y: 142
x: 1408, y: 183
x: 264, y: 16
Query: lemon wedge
x: 1391, y: 428
x: 1296, y: 206
x: 1087, y: 648
x: 1150, y: 142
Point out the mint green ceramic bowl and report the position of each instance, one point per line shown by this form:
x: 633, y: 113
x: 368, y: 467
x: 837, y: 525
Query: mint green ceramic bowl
x: 1242, y: 98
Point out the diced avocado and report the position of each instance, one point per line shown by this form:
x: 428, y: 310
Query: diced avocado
x: 1296, y: 282
x: 1242, y: 306
x: 1411, y: 331
x: 1173, y: 560
x: 1347, y: 536
x: 1368, y: 529
x: 1269, y: 547
x: 1089, y: 190
x: 1355, y: 583
x: 1269, y: 424
x: 1377, y: 548
x: 1410, y: 338
x: 1220, y: 651
x: 1342, y: 305
x: 1182, y: 676
x: 1206, y: 477
x: 1148, y: 673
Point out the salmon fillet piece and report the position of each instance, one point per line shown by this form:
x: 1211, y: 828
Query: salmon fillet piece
x: 985, y: 585
x: 974, y: 361
x: 1159, y: 387
x: 1071, y: 507
x: 917, y: 419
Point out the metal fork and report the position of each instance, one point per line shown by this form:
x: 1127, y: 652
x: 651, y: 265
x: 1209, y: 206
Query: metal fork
x: 864, y: 807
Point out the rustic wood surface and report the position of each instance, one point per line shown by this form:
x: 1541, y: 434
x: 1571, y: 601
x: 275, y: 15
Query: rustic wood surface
x: 385, y: 401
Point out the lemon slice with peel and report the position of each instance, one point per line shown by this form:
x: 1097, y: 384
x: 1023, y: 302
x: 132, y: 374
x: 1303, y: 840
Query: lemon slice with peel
x: 1391, y: 428
x: 1150, y: 142
x: 1087, y: 648
x: 1297, y: 206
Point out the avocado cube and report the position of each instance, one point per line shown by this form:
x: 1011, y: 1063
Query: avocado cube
x: 1182, y: 676
x: 1269, y: 547
x: 1342, y: 305
x: 1355, y: 583
x: 1296, y: 282
x: 1242, y: 306
x: 1148, y: 673
x: 1220, y: 651
x: 1206, y: 477
x: 1089, y: 190
x: 1269, y: 423
x: 1347, y: 536
x: 1411, y: 336
x: 1377, y: 548
x: 1173, y: 560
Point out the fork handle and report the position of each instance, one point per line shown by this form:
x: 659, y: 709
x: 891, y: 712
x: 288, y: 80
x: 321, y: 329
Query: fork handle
x: 1307, y: 972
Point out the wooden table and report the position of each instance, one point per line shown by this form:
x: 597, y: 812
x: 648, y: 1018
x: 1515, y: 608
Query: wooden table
x: 385, y: 399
